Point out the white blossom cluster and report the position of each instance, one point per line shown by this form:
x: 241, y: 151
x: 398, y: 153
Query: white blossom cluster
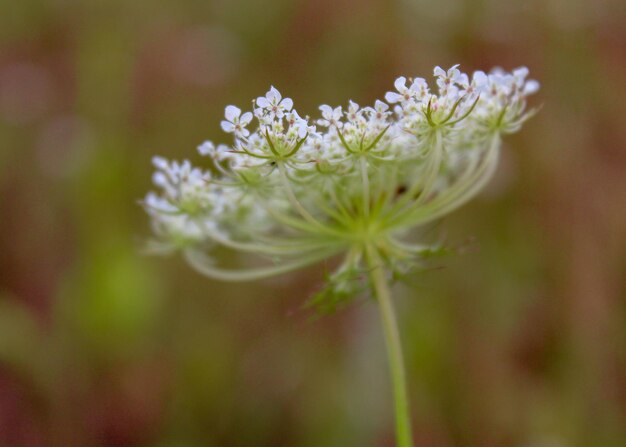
x: 300, y: 189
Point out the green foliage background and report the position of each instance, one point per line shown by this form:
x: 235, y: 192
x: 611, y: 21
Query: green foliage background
x: 520, y: 340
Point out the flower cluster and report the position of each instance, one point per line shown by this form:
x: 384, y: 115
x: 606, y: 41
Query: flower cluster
x: 298, y: 189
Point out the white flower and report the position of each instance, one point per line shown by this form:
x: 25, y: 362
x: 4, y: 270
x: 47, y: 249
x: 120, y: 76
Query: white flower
x: 380, y: 112
x: 447, y: 80
x: 354, y: 113
x: 273, y: 105
x: 298, y: 125
x: 236, y: 122
x: 294, y: 196
x: 416, y: 91
x: 290, y: 191
x: 159, y: 204
x: 185, y: 188
x: 207, y: 149
x: 220, y: 153
x: 330, y: 117
x: 477, y: 86
x: 526, y: 87
x: 452, y: 73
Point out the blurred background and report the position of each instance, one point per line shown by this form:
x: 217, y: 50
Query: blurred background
x: 518, y: 341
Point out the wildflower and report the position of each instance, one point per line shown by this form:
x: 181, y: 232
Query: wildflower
x: 330, y: 117
x: 298, y: 126
x: 354, y: 114
x: 380, y: 112
x: 289, y: 191
x: 235, y: 122
x: 416, y: 91
x: 448, y: 80
x: 295, y: 195
x: 184, y: 187
x: 272, y: 105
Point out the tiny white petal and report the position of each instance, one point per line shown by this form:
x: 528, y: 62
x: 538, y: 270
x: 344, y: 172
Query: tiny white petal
x: 393, y: 97
x: 379, y: 105
x: 206, y: 148
x: 245, y: 119
x: 159, y: 162
x: 302, y: 130
x: 227, y: 126
x: 479, y: 78
x: 159, y: 179
x: 232, y: 112
x: 323, y: 122
x: 326, y: 110
x: 400, y: 83
x: 273, y: 95
x: 287, y: 103
x: 520, y: 72
x: 462, y: 79
x: 262, y: 102
x: 419, y: 84
x: 531, y: 87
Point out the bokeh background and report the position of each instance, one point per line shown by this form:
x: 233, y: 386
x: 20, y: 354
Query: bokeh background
x: 519, y: 339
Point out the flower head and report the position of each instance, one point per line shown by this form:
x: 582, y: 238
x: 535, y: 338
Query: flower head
x: 297, y: 194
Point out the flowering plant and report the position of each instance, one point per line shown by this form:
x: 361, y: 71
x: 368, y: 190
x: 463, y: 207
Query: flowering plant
x: 353, y: 182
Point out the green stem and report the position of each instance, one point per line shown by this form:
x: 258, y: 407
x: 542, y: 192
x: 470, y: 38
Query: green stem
x: 293, y: 199
x: 204, y: 265
x: 366, y: 186
x: 404, y: 437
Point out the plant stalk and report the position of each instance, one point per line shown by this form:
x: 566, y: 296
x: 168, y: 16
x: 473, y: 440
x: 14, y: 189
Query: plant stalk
x: 404, y: 436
